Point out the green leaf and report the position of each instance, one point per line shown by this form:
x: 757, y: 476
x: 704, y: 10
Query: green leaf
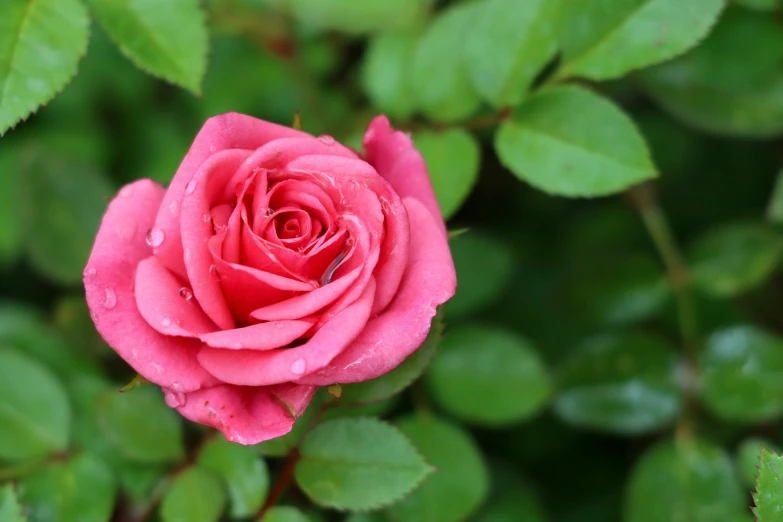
x: 81, y: 489
x: 10, y: 511
x: 619, y: 291
x: 603, y: 40
x: 34, y: 409
x: 513, y: 499
x: 441, y: 85
x: 761, y: 5
x: 625, y: 384
x: 739, y: 374
x: 140, y: 425
x: 768, y: 496
x: 355, y: 17
x: 730, y: 84
x: 460, y: 483
x: 452, y: 158
x: 285, y: 514
x: 691, y: 480
x: 244, y: 473
x: 735, y: 258
x: 62, y: 204
x: 385, y: 74
x: 281, y: 446
x: 569, y: 141
x: 509, y: 43
x: 748, y: 454
x: 775, y: 206
x: 143, y: 31
x: 402, y: 376
x: 358, y: 464
x: 485, y: 265
x: 488, y: 375
x: 195, y: 496
x: 41, y: 42
x: 10, y: 231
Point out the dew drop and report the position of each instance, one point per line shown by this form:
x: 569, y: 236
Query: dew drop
x: 109, y: 299
x: 205, y: 218
x: 165, y: 322
x: 154, y: 237
x: 186, y: 255
x: 279, y: 325
x: 299, y: 366
x: 269, y: 212
x: 90, y: 272
x: 174, y: 207
x: 213, y: 269
x: 326, y: 139
x: 126, y: 191
x: 175, y: 397
x: 94, y: 316
x: 185, y: 293
x: 190, y: 187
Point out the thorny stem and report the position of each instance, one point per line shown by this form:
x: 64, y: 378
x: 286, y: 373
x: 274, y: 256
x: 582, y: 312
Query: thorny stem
x: 645, y: 200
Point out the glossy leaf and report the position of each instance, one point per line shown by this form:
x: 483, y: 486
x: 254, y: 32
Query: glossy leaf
x: 194, y: 496
x: 624, y: 384
x: 735, y: 258
x: 244, y: 473
x: 10, y: 510
x: 441, y: 85
x: 485, y: 265
x: 142, y: 30
x: 452, y: 158
x: 81, y: 489
x: 41, y: 42
x: 603, y: 40
x: 768, y: 496
x: 691, y: 480
x: 730, y: 84
x: 748, y: 454
x: 508, y: 45
x: 385, y: 73
x: 358, y: 464
x: 285, y: 514
x: 739, y: 374
x: 140, y: 425
x: 460, y: 482
x: 62, y: 203
x: 488, y: 375
x: 34, y: 409
x: 395, y: 381
x: 569, y: 141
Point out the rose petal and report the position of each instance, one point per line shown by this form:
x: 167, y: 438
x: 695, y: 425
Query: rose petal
x: 388, y: 339
x: 163, y: 307
x: 256, y: 368
x: 246, y: 415
x: 394, y: 156
x: 262, y: 336
x: 108, y: 282
x: 223, y: 132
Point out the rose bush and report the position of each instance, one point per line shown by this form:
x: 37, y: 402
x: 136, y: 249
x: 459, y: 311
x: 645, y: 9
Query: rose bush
x: 274, y: 263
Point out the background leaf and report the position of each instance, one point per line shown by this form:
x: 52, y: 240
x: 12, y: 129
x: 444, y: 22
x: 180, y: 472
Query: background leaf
x: 569, y: 141
x: 358, y: 464
x: 142, y: 30
x: 360, y: 17
x: 385, y: 73
x: 195, y: 496
x: 10, y: 510
x: 41, y: 42
x: 769, y: 487
x: 285, y: 514
x: 748, y: 454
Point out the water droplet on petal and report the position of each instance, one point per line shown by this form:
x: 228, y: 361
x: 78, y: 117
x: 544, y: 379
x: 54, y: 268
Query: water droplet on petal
x: 94, y: 316
x: 190, y: 187
x: 279, y: 325
x: 175, y: 397
x: 185, y: 293
x: 213, y: 269
x: 206, y: 218
x: 154, y: 237
x: 186, y: 254
x: 299, y: 366
x: 174, y: 207
x: 326, y: 139
x: 90, y: 272
x: 109, y: 299
x: 269, y: 212
x: 165, y: 322
x: 126, y: 191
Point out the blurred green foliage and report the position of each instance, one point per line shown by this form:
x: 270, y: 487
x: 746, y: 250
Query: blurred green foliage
x: 605, y: 360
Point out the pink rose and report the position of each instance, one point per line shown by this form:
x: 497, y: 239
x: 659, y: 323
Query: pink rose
x: 275, y: 263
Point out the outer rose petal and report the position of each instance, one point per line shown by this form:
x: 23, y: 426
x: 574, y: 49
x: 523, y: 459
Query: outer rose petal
x: 387, y: 340
x: 247, y: 415
x: 226, y: 131
x: 394, y: 156
x: 108, y: 282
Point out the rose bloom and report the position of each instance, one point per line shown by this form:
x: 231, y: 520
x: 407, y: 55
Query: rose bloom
x: 274, y: 263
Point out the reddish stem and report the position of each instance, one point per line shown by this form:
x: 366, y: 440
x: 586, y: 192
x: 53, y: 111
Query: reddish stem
x: 282, y: 482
